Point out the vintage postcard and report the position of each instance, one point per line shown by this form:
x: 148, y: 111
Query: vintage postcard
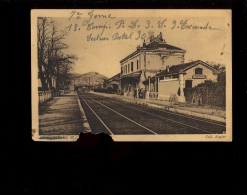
x: 134, y: 74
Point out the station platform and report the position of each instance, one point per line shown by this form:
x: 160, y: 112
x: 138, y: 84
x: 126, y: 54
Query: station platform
x: 216, y: 114
x: 63, y: 115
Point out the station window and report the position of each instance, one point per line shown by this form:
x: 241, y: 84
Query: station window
x: 132, y: 66
x: 128, y: 67
x: 137, y: 65
x: 188, y: 83
x: 198, y: 71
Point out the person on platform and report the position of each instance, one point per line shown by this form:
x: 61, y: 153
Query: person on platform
x: 144, y: 93
x: 135, y: 93
x: 141, y: 93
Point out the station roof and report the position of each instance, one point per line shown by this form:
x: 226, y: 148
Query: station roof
x: 157, y: 43
x: 114, y: 78
x: 182, y: 68
x: 114, y: 83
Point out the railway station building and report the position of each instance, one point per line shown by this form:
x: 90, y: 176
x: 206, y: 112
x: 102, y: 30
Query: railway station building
x: 158, y: 70
x: 145, y: 62
x: 174, y: 79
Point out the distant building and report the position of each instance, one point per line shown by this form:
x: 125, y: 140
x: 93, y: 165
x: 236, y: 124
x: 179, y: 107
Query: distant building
x: 175, y: 78
x: 114, y: 83
x: 45, y: 88
x: 146, y: 61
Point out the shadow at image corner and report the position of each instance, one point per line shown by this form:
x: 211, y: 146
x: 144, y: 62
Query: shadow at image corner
x: 102, y: 147
x: 89, y: 140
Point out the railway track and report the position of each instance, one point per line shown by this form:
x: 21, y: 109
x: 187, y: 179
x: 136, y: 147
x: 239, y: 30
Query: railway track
x: 121, y: 118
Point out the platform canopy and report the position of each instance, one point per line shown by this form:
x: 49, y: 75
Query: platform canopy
x: 135, y: 75
x: 114, y: 83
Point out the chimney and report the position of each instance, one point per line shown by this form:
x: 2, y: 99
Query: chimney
x: 144, y: 43
x: 160, y: 35
x: 167, y: 68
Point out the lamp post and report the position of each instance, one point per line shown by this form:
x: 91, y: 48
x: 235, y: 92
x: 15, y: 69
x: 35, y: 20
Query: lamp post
x: 154, y: 84
x: 157, y: 83
x: 149, y: 83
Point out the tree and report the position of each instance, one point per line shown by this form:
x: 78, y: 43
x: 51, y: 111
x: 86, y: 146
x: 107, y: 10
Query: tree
x: 220, y: 86
x: 52, y: 60
x: 222, y: 74
x: 221, y: 68
x: 42, y: 30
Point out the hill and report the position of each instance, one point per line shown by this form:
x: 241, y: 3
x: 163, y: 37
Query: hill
x: 93, y: 77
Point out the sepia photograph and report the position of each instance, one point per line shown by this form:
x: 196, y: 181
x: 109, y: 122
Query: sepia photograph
x: 133, y: 74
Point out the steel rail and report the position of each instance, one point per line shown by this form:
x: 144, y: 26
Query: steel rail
x: 123, y: 116
x: 157, y: 116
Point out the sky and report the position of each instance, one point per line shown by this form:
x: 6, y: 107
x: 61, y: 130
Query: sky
x: 123, y: 30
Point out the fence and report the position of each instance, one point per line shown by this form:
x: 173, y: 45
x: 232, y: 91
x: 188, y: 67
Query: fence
x: 212, y: 95
x: 44, y: 96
